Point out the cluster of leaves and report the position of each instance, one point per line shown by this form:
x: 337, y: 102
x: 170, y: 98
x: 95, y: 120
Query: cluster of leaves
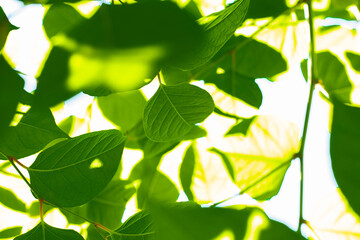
x: 118, y: 50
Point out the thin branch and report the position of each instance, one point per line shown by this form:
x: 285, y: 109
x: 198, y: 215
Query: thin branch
x: 12, y: 160
x: 313, y: 82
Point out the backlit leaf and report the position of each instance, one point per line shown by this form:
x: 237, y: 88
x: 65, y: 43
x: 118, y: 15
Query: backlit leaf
x: 11, y: 85
x: 60, y: 18
x: 261, y: 158
x: 108, y: 207
x: 161, y: 189
x: 119, y: 108
x: 345, y: 152
x: 36, y: 129
x: 174, y: 110
x: 10, y: 232
x: 219, y: 27
x: 74, y: 171
x: 46, y: 232
x: 10, y: 200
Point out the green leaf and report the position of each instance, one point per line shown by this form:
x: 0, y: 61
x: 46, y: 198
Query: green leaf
x: 192, y: 223
x: 34, y: 209
x: 46, y: 232
x: 10, y: 200
x: 174, y: 110
x: 160, y: 188
x: 52, y: 85
x: 36, y: 129
x: 74, y: 171
x: 119, y: 108
x: 238, y: 86
x: 345, y: 153
x: 354, y: 59
x: 261, y: 158
x: 334, y: 77
x: 187, y: 170
x: 219, y: 28
x: 227, y: 163
x: 5, y: 28
x: 10, y: 232
x: 108, y: 207
x: 60, y: 18
x: 67, y: 125
x: 139, y: 226
x: 11, y: 85
x: 265, y: 8
x: 242, y: 127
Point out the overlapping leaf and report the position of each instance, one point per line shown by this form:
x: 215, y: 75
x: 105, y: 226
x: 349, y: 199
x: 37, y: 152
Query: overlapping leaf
x: 11, y: 85
x: 74, y: 171
x: 44, y: 231
x: 264, y: 8
x: 219, y: 28
x: 260, y: 159
x: 108, y: 207
x: 345, y: 152
x: 36, y: 129
x: 119, y: 108
x: 174, y: 110
x: 60, y: 18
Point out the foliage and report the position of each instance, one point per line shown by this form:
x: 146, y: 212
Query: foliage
x: 204, y: 106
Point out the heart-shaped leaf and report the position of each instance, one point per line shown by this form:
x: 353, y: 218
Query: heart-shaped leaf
x: 174, y: 110
x: 74, y: 171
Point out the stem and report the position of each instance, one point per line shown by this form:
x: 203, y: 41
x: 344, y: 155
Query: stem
x: 159, y: 78
x: 313, y: 82
x: 41, y: 204
x: 11, y: 160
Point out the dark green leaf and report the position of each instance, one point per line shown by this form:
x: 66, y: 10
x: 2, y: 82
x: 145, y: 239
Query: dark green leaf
x: 174, y: 76
x: 345, y: 151
x: 242, y: 127
x: 354, y: 59
x: 34, y: 209
x: 36, y: 129
x: 174, y: 110
x: 139, y: 226
x: 60, y: 18
x: 334, y: 77
x: 10, y: 200
x: 47, y: 232
x: 74, y: 171
x: 11, y: 85
x: 276, y: 230
x: 187, y: 170
x: 238, y: 86
x: 219, y: 27
x: 265, y: 8
x: 67, y: 125
x: 5, y: 28
x: 108, y: 207
x: 52, y: 83
x: 119, y: 108
x: 10, y: 232
x: 195, y: 132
